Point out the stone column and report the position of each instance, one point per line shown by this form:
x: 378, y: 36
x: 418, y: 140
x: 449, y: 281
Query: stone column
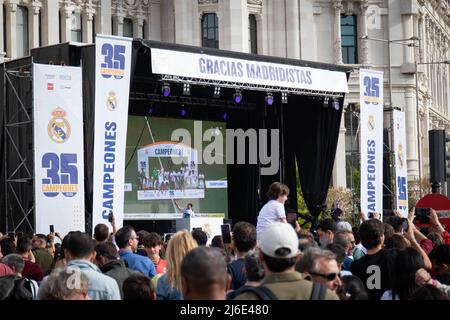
x: 261, y: 27
x: 340, y: 168
x: 307, y: 51
x: 337, y: 5
x: 364, y: 42
x: 187, y: 24
x: 103, y: 18
x: 2, y: 33
x: 411, y: 133
x: 167, y: 15
x: 87, y: 25
x: 66, y: 23
x: 278, y: 29
x: 408, y: 31
x: 11, y: 21
x: 33, y: 24
x: 118, y: 23
x: 50, y: 22
x: 154, y: 22
x: 233, y: 25
x: 138, y: 23
x: 293, y: 29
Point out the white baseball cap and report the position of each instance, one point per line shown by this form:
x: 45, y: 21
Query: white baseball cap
x: 276, y: 236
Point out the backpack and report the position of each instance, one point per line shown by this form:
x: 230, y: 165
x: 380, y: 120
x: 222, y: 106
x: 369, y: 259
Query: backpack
x: 318, y: 292
x: 14, y: 288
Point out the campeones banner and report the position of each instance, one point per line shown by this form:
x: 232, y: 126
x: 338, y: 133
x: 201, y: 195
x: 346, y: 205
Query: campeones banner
x: 371, y: 122
x: 112, y: 86
x: 58, y: 148
x: 202, y: 66
x: 401, y: 171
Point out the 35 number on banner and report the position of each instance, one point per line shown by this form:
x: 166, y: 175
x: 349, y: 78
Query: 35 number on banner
x: 402, y: 192
x: 62, y: 174
x: 114, y: 64
x: 372, y: 90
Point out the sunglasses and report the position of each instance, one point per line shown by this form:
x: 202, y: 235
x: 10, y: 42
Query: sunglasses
x: 329, y: 276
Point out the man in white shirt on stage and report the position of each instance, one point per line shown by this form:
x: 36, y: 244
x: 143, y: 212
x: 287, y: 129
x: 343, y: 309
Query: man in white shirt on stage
x: 188, y: 212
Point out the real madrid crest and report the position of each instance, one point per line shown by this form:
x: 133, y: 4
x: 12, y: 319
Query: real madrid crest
x: 371, y: 123
x: 58, y: 127
x: 111, y: 101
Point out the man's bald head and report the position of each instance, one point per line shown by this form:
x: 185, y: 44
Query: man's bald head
x: 204, y: 274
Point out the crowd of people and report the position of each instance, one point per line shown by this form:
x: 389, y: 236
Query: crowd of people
x: 388, y: 260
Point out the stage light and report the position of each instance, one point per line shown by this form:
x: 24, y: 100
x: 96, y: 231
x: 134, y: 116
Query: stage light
x: 284, y: 97
x: 186, y: 89
x: 269, y: 99
x: 150, y: 110
x: 183, y: 112
x: 165, y: 90
x: 216, y: 92
x: 335, y: 104
x: 225, y: 116
x: 237, y: 96
x: 325, y: 102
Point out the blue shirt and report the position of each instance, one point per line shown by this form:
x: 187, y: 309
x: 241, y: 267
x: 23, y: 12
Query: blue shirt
x: 165, y: 292
x: 138, y: 263
x: 101, y: 287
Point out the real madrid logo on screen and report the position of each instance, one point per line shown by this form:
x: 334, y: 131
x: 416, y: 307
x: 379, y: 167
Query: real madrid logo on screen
x: 111, y: 101
x: 58, y: 127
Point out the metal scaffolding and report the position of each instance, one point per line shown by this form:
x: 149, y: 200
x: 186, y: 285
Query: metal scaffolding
x: 18, y: 164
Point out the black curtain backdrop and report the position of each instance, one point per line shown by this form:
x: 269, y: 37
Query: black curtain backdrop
x: 87, y: 55
x: 315, y: 130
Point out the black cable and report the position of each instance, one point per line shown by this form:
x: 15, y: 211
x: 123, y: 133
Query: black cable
x: 137, y: 143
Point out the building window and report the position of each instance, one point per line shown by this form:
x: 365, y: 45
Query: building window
x: 40, y: 28
x: 22, y: 31
x: 352, y: 148
x: 60, y: 26
x: 76, y: 30
x: 253, y: 34
x: 210, y: 30
x: 93, y: 29
x: 128, y: 28
x: 349, y: 39
x: 113, y: 32
x: 144, y: 32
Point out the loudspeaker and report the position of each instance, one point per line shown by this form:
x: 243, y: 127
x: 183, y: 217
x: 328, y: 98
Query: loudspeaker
x: 436, y: 140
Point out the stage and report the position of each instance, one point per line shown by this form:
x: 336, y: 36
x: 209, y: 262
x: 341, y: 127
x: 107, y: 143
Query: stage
x: 308, y: 133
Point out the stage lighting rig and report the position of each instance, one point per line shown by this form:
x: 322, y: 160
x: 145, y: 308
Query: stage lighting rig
x: 216, y: 92
x: 284, y: 97
x: 165, y: 89
x: 237, y: 96
x: 269, y: 99
x: 186, y: 89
